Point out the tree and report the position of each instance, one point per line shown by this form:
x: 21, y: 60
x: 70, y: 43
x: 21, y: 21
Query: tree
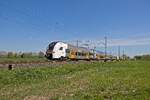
x: 142, y: 57
x: 41, y: 54
x: 10, y: 55
x: 125, y: 57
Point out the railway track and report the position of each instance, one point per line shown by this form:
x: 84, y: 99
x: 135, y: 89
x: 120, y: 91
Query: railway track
x: 39, y: 64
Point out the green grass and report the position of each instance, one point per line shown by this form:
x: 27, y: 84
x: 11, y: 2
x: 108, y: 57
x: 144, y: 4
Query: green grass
x: 128, y: 80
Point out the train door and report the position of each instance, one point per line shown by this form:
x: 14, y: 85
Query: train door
x: 72, y: 54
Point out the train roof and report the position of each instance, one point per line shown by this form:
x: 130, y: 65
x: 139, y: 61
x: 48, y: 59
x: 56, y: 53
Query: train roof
x: 70, y: 46
x: 79, y: 48
x: 85, y: 49
x: 99, y: 52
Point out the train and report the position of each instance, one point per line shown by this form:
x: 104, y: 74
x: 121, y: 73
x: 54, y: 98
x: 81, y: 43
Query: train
x: 58, y: 50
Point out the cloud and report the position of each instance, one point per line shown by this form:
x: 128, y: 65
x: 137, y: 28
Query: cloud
x: 129, y: 42
x: 112, y: 42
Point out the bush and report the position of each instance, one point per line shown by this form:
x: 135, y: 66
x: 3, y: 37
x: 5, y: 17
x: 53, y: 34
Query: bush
x: 10, y: 55
x: 41, y: 54
x: 143, y: 57
x: 26, y: 55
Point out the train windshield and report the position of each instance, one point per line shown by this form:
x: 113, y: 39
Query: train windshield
x: 51, y: 46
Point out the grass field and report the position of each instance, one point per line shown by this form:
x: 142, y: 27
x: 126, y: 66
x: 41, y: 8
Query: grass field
x: 129, y: 80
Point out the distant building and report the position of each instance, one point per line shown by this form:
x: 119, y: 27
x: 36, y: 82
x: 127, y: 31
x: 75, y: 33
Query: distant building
x: 3, y: 53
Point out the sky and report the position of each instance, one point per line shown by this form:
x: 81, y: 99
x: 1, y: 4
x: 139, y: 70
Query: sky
x: 30, y: 25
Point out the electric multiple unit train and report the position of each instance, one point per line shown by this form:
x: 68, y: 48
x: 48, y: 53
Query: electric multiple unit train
x: 61, y: 51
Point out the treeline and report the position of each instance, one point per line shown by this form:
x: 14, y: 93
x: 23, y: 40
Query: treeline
x: 4, y: 54
x: 142, y: 57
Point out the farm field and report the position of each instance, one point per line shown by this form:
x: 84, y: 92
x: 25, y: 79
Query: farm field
x: 126, y: 80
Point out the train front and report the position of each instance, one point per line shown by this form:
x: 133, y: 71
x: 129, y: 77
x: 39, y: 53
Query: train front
x: 50, y: 50
x: 56, y: 50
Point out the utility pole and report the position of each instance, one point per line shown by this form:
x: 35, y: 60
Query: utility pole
x: 119, y: 52
x: 77, y: 47
x: 94, y: 52
x: 77, y: 43
x: 105, y: 48
x: 123, y: 55
x: 88, y: 44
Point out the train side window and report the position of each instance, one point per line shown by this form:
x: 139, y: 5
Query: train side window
x: 61, y: 48
x: 67, y: 51
x: 79, y: 54
x: 76, y: 53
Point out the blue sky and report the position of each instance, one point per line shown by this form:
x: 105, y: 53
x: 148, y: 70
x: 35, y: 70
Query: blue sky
x: 29, y: 25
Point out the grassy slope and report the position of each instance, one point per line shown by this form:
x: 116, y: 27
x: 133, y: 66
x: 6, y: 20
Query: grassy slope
x: 119, y: 80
